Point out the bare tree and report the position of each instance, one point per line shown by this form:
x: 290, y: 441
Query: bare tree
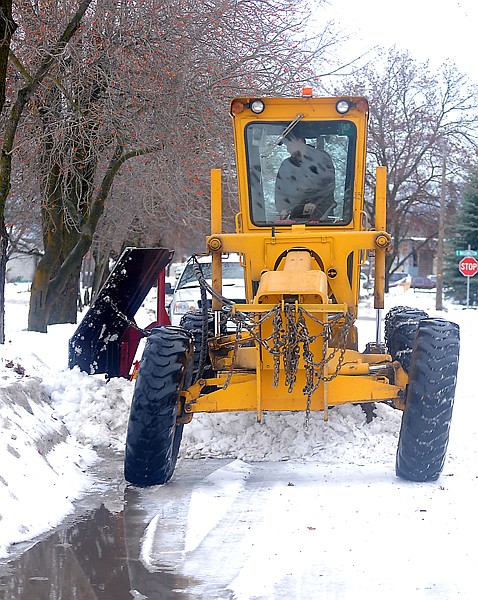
x: 44, y: 63
x: 412, y: 109
x: 153, y: 85
x: 7, y: 29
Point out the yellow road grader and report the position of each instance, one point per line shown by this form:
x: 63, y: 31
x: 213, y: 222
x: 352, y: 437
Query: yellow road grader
x: 302, y: 236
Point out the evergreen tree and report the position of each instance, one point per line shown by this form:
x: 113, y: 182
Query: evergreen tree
x: 464, y: 234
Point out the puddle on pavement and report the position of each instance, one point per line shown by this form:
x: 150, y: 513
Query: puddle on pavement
x: 96, y: 558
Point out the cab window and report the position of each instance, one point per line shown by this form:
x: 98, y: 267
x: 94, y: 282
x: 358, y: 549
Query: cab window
x: 302, y: 173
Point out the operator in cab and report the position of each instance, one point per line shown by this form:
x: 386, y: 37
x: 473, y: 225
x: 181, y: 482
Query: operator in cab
x: 305, y: 182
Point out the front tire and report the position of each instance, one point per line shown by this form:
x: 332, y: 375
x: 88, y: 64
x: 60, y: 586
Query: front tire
x: 426, y: 420
x: 153, y: 437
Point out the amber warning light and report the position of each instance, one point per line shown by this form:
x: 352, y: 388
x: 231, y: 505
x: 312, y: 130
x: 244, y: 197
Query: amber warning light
x: 237, y: 107
x: 362, y: 105
x: 307, y: 92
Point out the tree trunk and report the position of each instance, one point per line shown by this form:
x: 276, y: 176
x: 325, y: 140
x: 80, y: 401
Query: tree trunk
x: 3, y: 271
x: 64, y: 308
x: 63, y: 303
x: 37, y: 314
x: 54, y: 292
x: 7, y: 28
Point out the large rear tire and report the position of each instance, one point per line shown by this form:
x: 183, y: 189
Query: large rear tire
x: 192, y: 322
x: 426, y: 420
x: 154, y: 437
x: 401, y: 325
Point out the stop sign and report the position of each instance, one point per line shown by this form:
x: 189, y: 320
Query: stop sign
x: 468, y: 266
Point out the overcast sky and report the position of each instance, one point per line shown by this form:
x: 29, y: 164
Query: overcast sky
x: 435, y: 30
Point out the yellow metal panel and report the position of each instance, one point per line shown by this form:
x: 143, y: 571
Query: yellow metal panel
x: 216, y: 201
x: 380, y: 224
x: 298, y: 260
x: 313, y: 308
x: 216, y: 268
x: 245, y: 358
x: 343, y: 389
x: 310, y: 284
x: 381, y: 199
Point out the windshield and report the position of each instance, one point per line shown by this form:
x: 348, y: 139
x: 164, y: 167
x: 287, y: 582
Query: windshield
x: 230, y: 270
x: 305, y: 176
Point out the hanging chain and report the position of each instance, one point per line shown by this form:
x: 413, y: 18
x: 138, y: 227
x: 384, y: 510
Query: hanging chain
x: 123, y: 317
x: 278, y: 344
x: 290, y: 339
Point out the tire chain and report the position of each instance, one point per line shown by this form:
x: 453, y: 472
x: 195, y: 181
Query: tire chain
x: 289, y: 332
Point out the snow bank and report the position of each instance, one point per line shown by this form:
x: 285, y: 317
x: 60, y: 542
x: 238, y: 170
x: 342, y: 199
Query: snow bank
x: 42, y: 465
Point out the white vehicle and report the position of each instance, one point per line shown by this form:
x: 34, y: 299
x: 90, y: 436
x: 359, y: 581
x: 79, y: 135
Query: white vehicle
x: 187, y: 293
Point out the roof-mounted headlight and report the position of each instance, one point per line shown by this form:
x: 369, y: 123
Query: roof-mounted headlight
x: 257, y: 106
x: 343, y: 106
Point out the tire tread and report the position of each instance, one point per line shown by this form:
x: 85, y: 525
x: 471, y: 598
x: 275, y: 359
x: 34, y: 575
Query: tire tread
x: 426, y: 421
x: 152, y: 441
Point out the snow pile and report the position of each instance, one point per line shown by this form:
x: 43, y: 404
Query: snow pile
x: 284, y: 436
x: 96, y: 411
x: 43, y: 468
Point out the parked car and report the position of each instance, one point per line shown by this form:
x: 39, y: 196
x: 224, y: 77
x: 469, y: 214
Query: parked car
x: 187, y: 293
x: 422, y: 283
x: 398, y: 278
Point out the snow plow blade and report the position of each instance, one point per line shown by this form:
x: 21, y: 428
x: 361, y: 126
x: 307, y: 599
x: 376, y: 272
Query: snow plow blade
x: 96, y: 345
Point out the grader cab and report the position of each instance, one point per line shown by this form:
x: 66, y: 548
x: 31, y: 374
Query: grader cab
x: 303, y: 237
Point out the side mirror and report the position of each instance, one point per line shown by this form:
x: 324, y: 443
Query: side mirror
x: 168, y: 288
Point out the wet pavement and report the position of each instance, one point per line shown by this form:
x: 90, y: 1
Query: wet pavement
x: 94, y: 555
x: 224, y: 529
x: 209, y: 533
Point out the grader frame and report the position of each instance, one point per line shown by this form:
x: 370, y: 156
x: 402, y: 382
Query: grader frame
x: 313, y: 269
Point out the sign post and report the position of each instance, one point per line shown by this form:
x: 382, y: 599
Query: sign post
x: 468, y: 266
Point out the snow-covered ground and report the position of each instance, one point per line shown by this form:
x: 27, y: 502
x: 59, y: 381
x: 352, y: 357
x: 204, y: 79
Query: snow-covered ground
x: 52, y: 419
